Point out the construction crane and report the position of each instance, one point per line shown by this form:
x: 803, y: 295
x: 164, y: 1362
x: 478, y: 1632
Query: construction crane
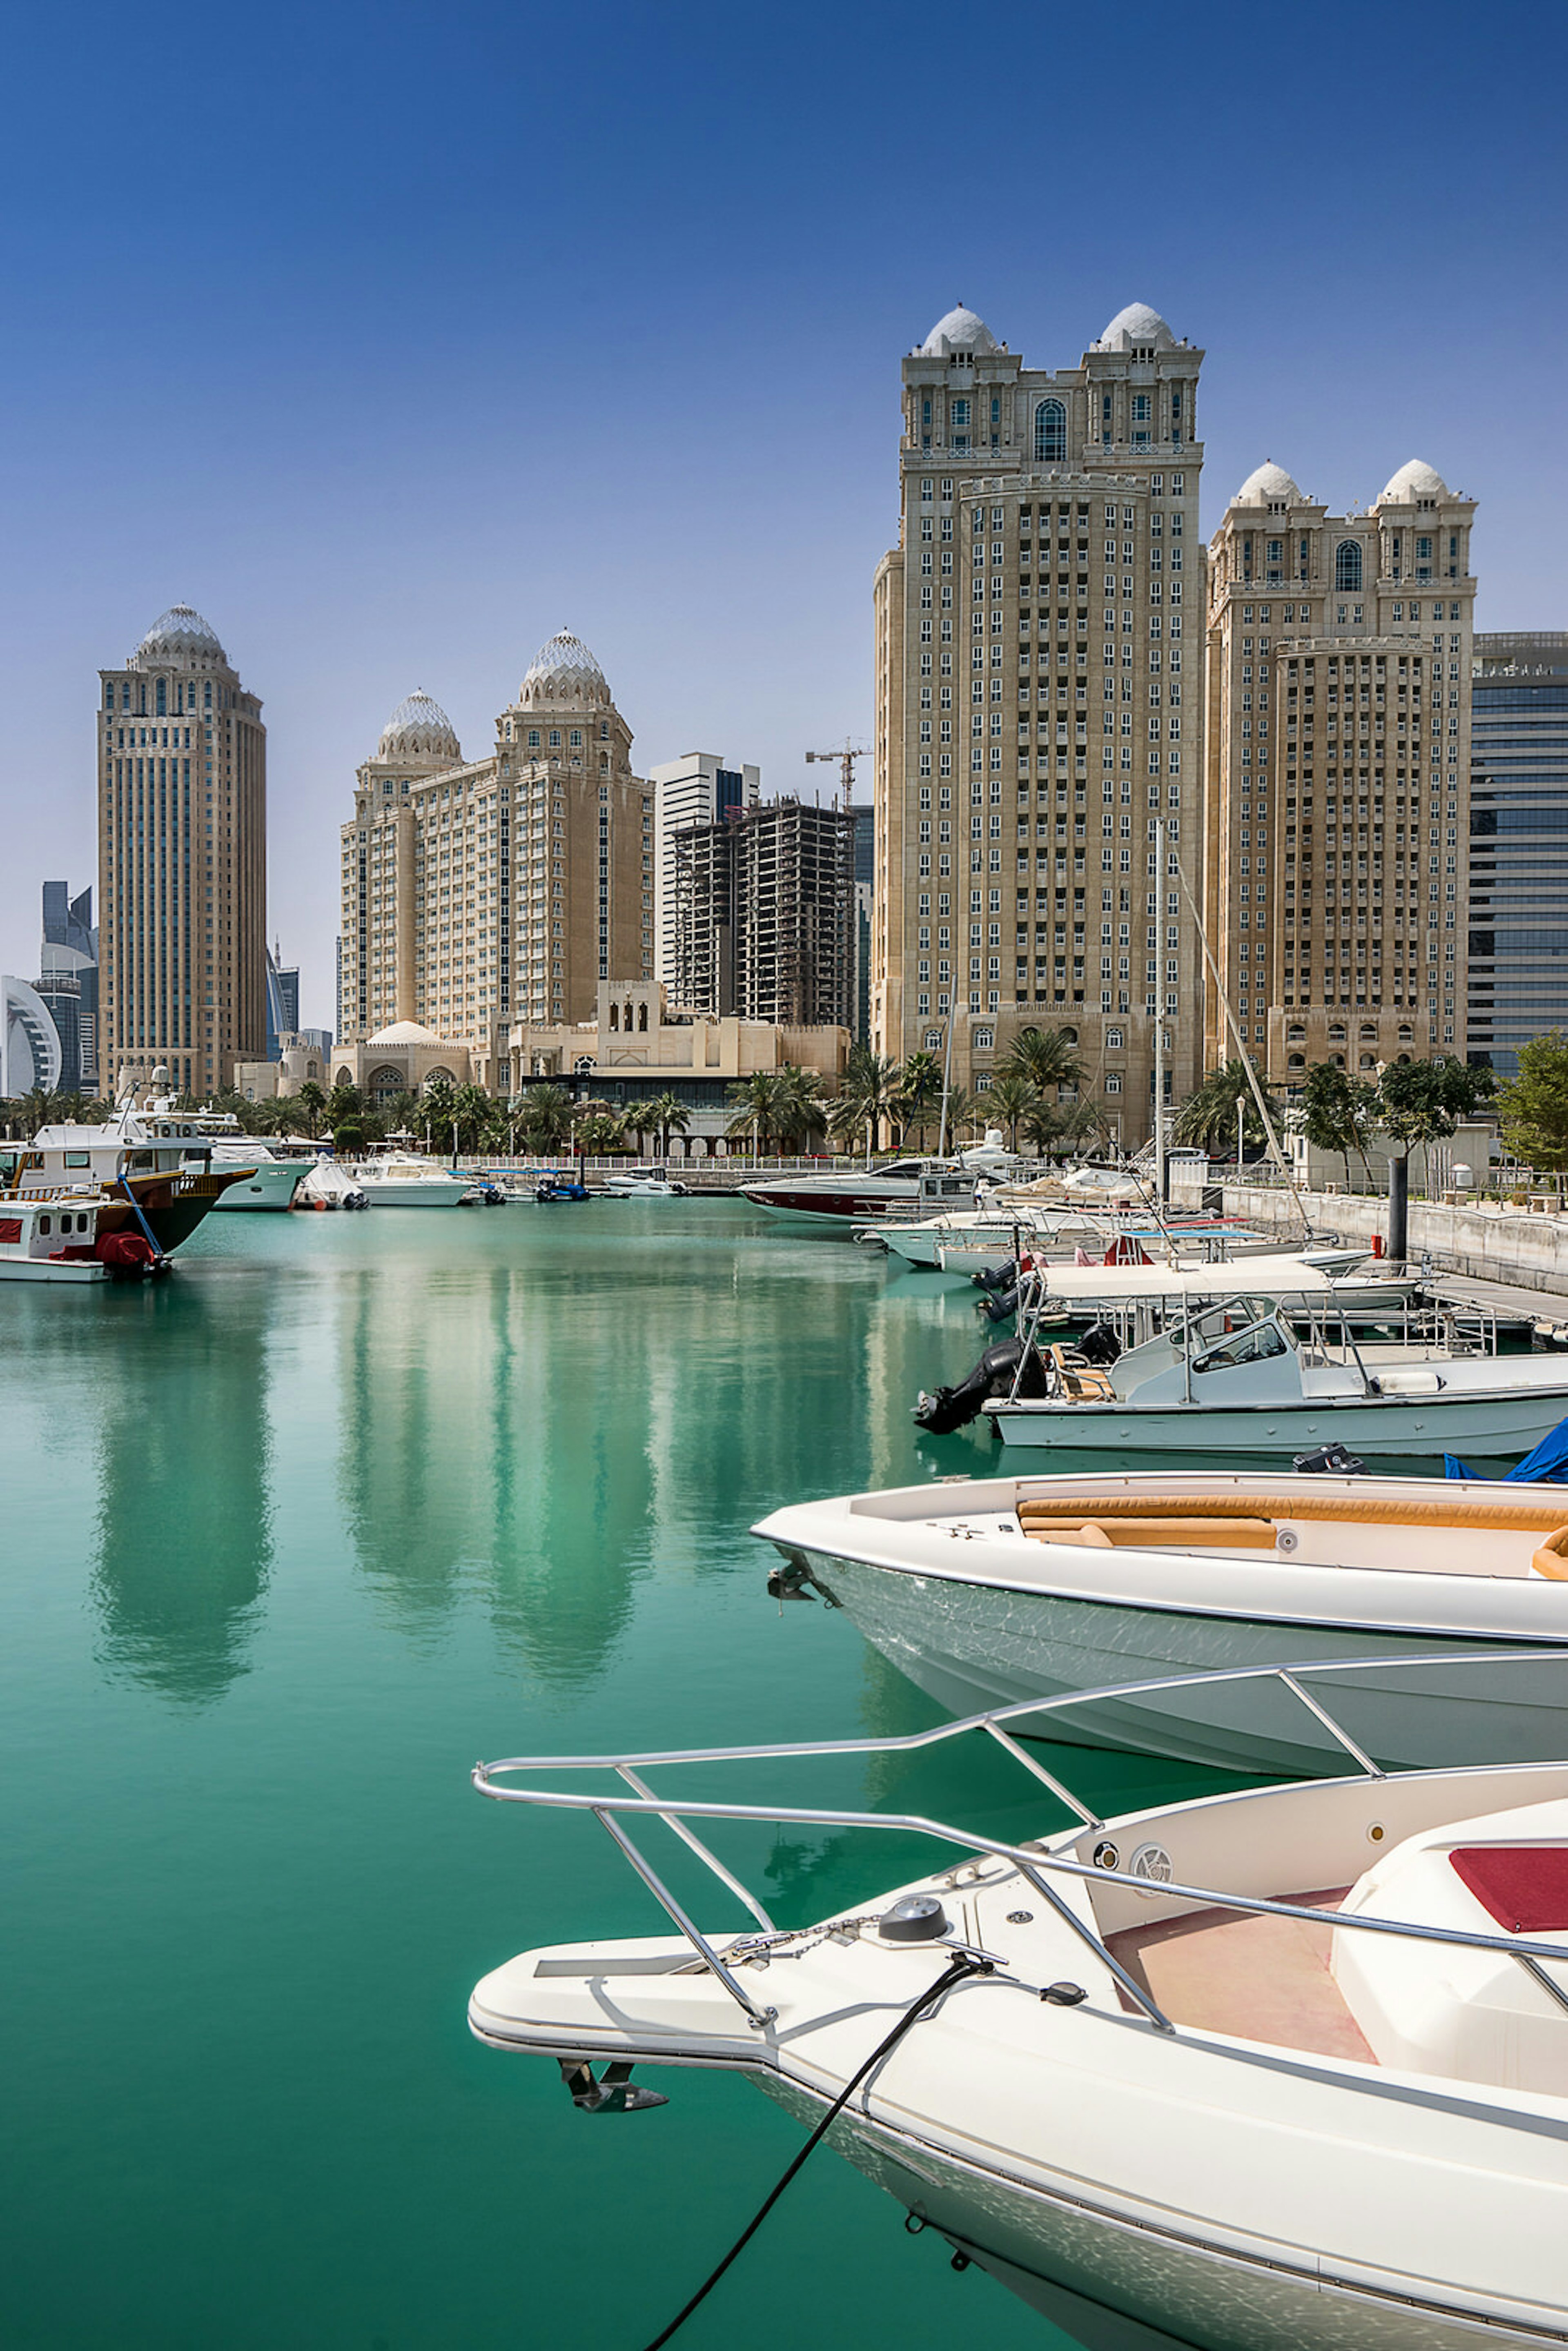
x: 845, y: 761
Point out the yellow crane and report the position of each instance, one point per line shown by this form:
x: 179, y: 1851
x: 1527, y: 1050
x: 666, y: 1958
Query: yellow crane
x: 844, y: 761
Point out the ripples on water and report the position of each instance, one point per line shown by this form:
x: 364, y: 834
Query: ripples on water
x: 294, y: 1537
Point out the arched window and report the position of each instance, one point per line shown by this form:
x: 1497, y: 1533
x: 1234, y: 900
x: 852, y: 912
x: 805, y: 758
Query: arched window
x: 615, y: 1016
x: 642, y: 1018
x: 1050, y: 429
x: 1348, y: 566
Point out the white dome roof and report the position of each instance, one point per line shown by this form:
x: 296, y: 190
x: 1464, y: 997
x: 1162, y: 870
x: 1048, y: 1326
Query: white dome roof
x: 1268, y: 484
x: 1136, y: 324
x: 1413, y: 480
x: 960, y: 330
x: 564, y: 670
x: 406, y: 1033
x: 181, y: 632
x: 420, y: 728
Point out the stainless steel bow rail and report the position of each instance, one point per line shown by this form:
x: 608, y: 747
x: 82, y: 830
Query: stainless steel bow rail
x: 1034, y: 1862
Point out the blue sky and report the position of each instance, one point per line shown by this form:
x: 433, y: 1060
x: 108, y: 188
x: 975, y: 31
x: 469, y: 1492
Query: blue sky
x: 395, y: 339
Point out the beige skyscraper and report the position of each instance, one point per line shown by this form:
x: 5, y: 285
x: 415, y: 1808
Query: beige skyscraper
x: 1339, y: 752
x: 181, y: 861
x: 477, y: 893
x: 1039, y: 707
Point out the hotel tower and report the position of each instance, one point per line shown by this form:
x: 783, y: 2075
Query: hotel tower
x: 1039, y: 709
x: 1338, y: 823
x: 182, y: 862
x: 477, y: 893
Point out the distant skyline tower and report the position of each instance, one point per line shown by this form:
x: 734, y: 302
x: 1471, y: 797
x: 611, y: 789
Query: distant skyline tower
x: 182, y: 802
x: 68, y: 983
x: 765, y: 915
x: 699, y: 787
x: 1518, y: 942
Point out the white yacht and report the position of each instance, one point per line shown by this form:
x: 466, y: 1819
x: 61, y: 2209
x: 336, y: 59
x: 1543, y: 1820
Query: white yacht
x: 643, y: 1184
x: 847, y: 1196
x: 989, y: 1591
x: 399, y: 1179
x: 267, y: 1178
x: 156, y: 1160
x: 1284, y: 2066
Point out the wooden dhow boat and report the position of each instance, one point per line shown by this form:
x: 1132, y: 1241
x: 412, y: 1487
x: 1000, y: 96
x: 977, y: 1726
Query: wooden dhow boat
x: 992, y: 1591
x: 1288, y: 2067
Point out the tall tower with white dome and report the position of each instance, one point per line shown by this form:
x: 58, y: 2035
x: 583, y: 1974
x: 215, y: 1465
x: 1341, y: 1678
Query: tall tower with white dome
x: 1039, y: 709
x: 181, y: 800
x: 1339, y: 773
x: 477, y: 893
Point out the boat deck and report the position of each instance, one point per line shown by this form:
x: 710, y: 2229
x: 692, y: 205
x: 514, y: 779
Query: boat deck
x: 1262, y: 1978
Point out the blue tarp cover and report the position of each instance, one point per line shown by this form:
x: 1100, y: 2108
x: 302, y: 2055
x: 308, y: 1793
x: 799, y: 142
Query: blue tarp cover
x: 1547, y: 1466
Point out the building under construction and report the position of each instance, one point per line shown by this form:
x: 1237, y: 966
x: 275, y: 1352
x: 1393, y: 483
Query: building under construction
x: 765, y: 916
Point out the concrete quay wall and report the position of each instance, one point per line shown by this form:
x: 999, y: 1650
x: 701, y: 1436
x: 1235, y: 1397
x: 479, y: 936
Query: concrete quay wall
x: 1527, y: 1248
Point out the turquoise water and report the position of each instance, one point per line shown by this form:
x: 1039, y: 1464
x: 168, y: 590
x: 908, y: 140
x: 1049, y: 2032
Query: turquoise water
x: 291, y: 1539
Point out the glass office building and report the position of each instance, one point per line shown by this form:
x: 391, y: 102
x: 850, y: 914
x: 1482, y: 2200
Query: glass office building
x: 1519, y: 844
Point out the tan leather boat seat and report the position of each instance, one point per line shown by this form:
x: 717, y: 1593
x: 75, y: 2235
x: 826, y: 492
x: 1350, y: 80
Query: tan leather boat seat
x: 1208, y: 1533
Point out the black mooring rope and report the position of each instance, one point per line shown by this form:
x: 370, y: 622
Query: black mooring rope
x: 960, y: 1967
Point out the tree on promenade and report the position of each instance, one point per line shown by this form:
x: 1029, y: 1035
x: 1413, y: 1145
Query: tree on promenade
x: 759, y: 1105
x: 310, y: 1103
x: 667, y: 1115
x: 865, y: 1098
x: 1011, y: 1098
x: 1207, y: 1117
x: 1423, y: 1101
x: 915, y: 1093
x: 1339, y: 1112
x: 1532, y: 1108
x: 544, y: 1117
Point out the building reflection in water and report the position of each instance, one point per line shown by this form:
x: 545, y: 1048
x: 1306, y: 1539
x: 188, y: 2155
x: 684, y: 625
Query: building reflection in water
x: 477, y: 1439
x: 184, y: 1540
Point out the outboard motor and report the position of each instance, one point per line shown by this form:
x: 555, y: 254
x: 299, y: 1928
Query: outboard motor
x: 1000, y: 1304
x: 1100, y: 1346
x: 996, y: 1277
x: 954, y: 1407
x: 1331, y: 1460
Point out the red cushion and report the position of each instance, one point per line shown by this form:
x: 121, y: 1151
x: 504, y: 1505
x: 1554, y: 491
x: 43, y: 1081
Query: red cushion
x: 1524, y: 1887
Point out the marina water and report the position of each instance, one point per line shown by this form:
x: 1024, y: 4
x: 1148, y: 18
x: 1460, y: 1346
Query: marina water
x: 291, y: 1539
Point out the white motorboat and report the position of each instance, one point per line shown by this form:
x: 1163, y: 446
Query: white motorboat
x: 398, y: 1179
x: 75, y: 1238
x: 643, y: 1184
x: 993, y: 1591
x: 1282, y: 2067
x: 849, y: 1196
x: 1347, y: 1279
x: 1238, y: 1379
x: 266, y: 1178
x: 328, y: 1183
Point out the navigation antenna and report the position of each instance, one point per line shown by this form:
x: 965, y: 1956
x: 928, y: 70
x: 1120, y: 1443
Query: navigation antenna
x: 845, y: 761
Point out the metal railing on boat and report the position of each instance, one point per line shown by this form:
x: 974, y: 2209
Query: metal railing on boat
x: 1035, y: 1862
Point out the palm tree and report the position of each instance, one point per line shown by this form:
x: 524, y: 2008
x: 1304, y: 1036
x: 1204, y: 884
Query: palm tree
x: 1012, y: 1098
x: 544, y: 1115
x: 437, y: 1110
x: 801, y: 1111
x: 917, y: 1092
x: 1208, y: 1115
x: 473, y: 1114
x: 600, y: 1132
x: 667, y: 1114
x: 864, y: 1097
x: 310, y: 1102
x: 757, y: 1107
x: 1044, y: 1057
